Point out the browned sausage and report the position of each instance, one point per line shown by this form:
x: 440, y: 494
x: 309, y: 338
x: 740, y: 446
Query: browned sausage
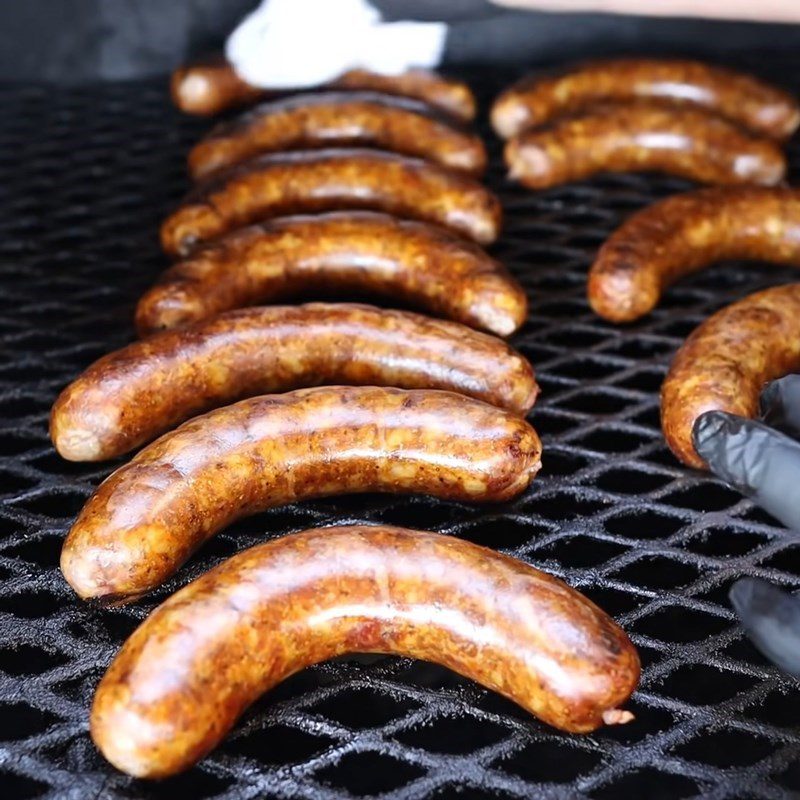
x: 210, y: 87
x: 340, y: 252
x: 181, y: 681
x: 725, y: 363
x: 642, y: 137
x: 326, y: 180
x: 338, y: 119
x: 147, y: 518
x: 130, y: 396
x: 741, y: 98
x: 685, y: 233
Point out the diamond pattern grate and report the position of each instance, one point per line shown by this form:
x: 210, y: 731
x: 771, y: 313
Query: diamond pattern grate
x: 88, y: 175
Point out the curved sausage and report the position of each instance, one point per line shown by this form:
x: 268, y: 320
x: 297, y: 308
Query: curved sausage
x: 129, y: 397
x: 642, y: 137
x: 741, y: 98
x: 685, y: 233
x: 339, y: 252
x: 326, y: 180
x: 210, y: 87
x: 147, y: 518
x: 338, y: 119
x: 183, y: 678
x: 726, y: 361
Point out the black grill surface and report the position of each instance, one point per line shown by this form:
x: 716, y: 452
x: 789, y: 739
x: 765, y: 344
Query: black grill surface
x: 87, y: 176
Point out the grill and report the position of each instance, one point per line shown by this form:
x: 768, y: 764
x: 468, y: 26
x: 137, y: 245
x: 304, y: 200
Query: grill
x: 88, y: 175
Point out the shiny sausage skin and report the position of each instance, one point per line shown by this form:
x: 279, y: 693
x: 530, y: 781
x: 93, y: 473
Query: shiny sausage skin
x: 726, y: 361
x: 325, y: 180
x: 642, y: 137
x: 148, y: 517
x: 210, y: 87
x: 181, y: 681
x: 685, y: 233
x: 741, y: 98
x: 129, y: 397
x: 339, y: 252
x: 339, y: 119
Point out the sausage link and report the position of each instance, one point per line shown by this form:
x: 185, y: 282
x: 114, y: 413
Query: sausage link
x: 338, y: 119
x: 185, y: 676
x: 741, y: 98
x: 128, y: 397
x: 725, y: 363
x: 147, y: 518
x: 685, y: 233
x: 209, y: 87
x: 642, y: 137
x: 340, y: 252
x: 326, y: 180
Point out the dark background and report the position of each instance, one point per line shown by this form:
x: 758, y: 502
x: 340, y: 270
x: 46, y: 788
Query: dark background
x: 72, y: 41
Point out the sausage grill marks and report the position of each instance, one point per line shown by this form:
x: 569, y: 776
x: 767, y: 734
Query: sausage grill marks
x: 686, y: 233
x: 340, y: 119
x: 147, y: 518
x: 763, y: 109
x: 338, y: 252
x: 130, y: 396
x: 185, y: 676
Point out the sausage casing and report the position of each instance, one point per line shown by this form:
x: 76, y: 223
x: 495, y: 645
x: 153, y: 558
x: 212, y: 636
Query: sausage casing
x: 753, y: 104
x: 145, y: 520
x: 338, y: 252
x: 685, y: 233
x: 210, y: 87
x: 726, y: 361
x: 130, y: 396
x: 326, y: 180
x: 339, y: 119
x: 184, y: 677
x: 642, y: 137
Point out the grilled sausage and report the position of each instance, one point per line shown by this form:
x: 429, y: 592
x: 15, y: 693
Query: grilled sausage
x: 326, y: 180
x: 642, y: 137
x: 751, y: 103
x: 340, y: 252
x: 130, y: 396
x: 337, y: 119
x: 147, y: 518
x: 181, y: 681
x: 210, y: 87
x: 685, y: 233
x: 725, y: 363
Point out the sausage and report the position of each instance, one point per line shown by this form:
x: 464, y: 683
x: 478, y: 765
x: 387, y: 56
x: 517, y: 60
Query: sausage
x: 337, y: 119
x: 726, y: 361
x: 210, y: 87
x: 741, y: 98
x: 183, y: 678
x: 326, y: 180
x: 340, y: 252
x: 147, y: 518
x: 685, y: 233
x: 642, y: 137
x: 130, y: 396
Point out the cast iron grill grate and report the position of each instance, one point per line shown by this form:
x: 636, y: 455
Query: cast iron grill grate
x: 88, y: 175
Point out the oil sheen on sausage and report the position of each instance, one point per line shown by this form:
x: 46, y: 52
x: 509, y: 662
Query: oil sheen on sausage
x: 340, y: 253
x: 741, y: 98
x: 326, y: 180
x: 185, y: 676
x: 643, y: 137
x: 130, y: 396
x: 684, y: 234
x: 147, y: 518
x: 725, y: 363
x: 340, y: 119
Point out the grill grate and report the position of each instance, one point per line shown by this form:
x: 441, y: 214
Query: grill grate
x: 88, y: 175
